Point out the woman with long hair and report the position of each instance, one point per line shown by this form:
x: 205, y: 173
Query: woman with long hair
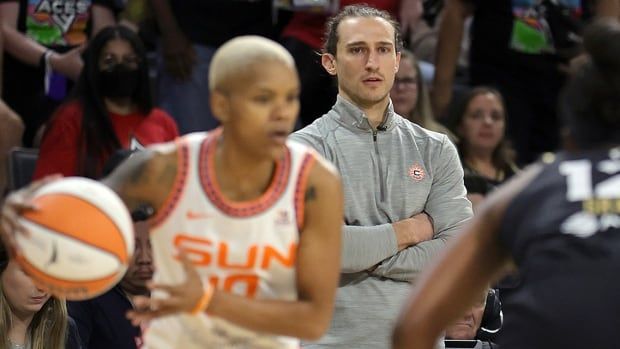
x: 410, y: 97
x: 111, y: 109
x: 480, y: 125
x: 30, y: 317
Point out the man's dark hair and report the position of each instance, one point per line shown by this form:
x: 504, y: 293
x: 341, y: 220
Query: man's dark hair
x: 362, y: 10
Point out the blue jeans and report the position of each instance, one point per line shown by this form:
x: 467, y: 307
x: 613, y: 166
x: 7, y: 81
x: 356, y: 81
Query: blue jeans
x: 188, y: 101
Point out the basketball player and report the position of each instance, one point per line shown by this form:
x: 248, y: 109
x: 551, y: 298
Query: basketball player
x: 247, y: 224
x: 558, y: 222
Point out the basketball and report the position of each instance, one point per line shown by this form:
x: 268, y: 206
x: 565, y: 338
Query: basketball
x: 81, y: 238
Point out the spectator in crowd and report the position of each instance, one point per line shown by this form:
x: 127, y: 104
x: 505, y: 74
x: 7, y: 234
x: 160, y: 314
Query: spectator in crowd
x: 395, y: 176
x: 557, y: 222
x: 482, y: 321
x: 521, y: 48
x: 480, y: 124
x: 44, y: 40
x: 410, y: 95
x: 29, y: 316
x: 102, y: 321
x: 112, y: 109
x: 191, y: 31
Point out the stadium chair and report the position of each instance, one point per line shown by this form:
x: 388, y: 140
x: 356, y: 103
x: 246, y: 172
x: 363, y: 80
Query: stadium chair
x: 22, y: 162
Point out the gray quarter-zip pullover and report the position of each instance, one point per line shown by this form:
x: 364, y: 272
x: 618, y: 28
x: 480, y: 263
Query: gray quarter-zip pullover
x: 389, y: 174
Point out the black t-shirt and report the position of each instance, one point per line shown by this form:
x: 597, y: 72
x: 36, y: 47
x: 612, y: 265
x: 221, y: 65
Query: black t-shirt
x: 563, y: 232
x: 516, y: 36
x: 101, y: 321
x: 213, y: 22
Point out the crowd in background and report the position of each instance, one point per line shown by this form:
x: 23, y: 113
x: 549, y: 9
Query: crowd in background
x: 84, y: 79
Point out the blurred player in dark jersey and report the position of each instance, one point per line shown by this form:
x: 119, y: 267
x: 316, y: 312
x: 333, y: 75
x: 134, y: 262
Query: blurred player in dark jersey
x: 558, y: 223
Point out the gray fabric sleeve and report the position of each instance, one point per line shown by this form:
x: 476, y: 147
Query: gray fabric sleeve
x: 310, y: 136
x: 449, y: 208
x: 364, y: 247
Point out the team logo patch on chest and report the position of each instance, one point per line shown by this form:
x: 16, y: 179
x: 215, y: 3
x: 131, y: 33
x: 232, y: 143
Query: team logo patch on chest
x: 416, y: 171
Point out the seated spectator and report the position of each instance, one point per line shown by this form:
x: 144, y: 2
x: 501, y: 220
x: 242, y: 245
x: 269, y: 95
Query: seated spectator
x: 43, y: 43
x: 410, y: 98
x: 480, y: 125
x: 101, y: 321
x: 31, y: 317
x: 480, y: 322
x: 112, y: 109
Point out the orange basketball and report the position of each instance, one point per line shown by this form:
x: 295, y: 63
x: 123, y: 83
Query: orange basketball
x: 81, y: 238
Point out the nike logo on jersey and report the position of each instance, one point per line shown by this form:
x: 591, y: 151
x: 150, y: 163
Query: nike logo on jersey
x: 192, y: 215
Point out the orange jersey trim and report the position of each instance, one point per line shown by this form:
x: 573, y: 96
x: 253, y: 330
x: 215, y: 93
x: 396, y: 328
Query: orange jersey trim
x: 300, y: 188
x: 212, y: 189
x: 177, y: 188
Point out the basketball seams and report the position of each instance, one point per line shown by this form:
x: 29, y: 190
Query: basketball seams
x: 93, y: 287
x: 96, y: 208
x: 101, y: 196
x: 74, y: 238
x: 76, y: 215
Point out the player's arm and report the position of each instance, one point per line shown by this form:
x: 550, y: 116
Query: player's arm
x: 476, y: 259
x: 318, y: 258
x: 146, y: 178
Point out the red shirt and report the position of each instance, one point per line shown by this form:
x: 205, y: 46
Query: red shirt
x: 59, y: 148
x: 309, y: 27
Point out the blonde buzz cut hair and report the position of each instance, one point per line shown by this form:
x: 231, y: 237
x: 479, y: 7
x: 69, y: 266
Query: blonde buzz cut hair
x: 240, y: 55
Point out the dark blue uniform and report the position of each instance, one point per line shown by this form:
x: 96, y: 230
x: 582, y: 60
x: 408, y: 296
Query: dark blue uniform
x: 102, y: 324
x: 563, y: 232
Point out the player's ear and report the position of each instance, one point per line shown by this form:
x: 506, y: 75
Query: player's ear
x: 219, y: 105
x: 329, y: 63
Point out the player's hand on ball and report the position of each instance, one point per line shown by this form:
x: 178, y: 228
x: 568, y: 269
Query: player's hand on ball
x: 192, y: 296
x: 14, y: 206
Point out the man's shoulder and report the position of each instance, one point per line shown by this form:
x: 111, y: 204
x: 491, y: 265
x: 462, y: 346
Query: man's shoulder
x: 419, y: 133
x: 317, y: 133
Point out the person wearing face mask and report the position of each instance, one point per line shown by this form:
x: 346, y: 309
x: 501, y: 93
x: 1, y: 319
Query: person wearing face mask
x: 111, y: 109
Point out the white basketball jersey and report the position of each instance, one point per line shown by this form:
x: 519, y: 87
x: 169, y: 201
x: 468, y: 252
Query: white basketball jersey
x: 246, y: 248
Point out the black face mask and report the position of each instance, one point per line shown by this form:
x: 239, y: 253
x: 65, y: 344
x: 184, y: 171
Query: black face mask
x: 119, y: 81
